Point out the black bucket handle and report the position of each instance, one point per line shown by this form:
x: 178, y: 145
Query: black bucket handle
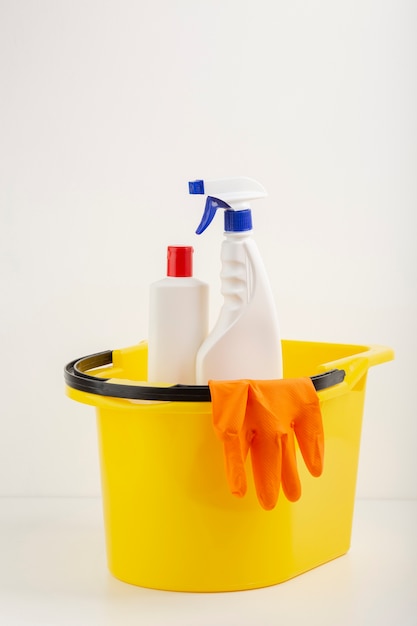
x: 76, y: 377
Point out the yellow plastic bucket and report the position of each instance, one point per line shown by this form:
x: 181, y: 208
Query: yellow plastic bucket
x: 171, y: 522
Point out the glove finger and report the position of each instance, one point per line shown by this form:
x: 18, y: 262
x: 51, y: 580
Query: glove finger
x: 235, y: 464
x: 266, y: 455
x: 313, y: 455
x: 308, y: 428
x: 291, y: 484
x: 229, y: 400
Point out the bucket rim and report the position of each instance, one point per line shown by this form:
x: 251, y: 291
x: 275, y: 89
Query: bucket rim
x: 77, y: 377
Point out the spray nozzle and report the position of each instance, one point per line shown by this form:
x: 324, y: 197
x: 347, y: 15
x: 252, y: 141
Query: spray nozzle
x: 232, y: 194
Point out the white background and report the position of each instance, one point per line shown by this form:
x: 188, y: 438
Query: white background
x: 108, y: 108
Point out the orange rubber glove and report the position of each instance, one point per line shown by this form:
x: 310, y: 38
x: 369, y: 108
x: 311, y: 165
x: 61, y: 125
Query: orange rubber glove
x: 264, y: 416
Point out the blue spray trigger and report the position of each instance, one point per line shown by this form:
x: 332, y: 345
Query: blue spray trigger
x: 212, y: 204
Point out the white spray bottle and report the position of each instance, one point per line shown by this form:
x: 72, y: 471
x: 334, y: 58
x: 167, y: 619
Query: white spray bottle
x: 245, y: 341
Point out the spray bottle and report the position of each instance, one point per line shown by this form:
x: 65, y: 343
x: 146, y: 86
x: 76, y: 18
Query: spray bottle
x: 245, y: 341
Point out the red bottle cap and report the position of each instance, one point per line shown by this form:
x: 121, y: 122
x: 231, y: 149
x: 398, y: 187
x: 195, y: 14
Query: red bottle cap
x: 180, y: 261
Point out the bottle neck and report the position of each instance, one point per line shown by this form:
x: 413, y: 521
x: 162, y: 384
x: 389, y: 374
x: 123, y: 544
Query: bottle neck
x: 237, y: 236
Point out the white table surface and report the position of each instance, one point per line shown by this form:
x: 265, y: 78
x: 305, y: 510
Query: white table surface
x: 53, y: 572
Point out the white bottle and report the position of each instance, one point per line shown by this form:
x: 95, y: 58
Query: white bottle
x: 245, y: 342
x: 178, y: 320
